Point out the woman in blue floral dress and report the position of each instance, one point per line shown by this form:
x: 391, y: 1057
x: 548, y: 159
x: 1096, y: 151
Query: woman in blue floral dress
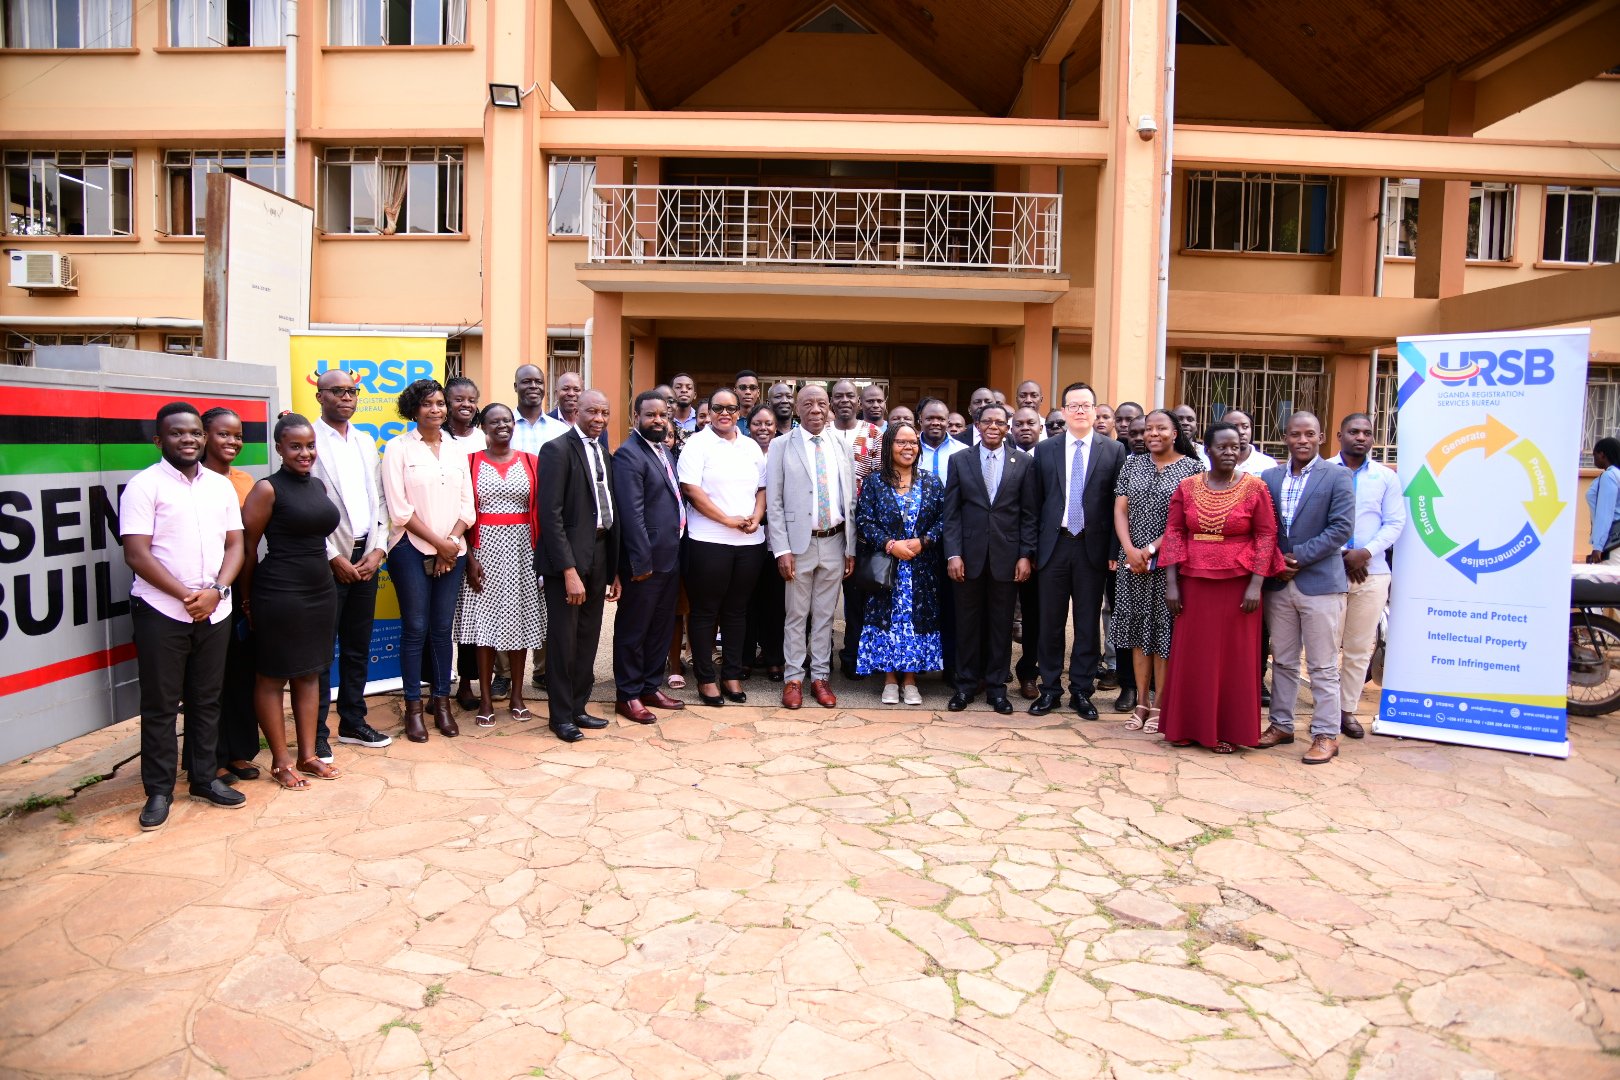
x: 900, y: 511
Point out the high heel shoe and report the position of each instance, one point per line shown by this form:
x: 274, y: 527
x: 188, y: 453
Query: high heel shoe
x: 739, y: 695
x: 414, y: 728
x: 442, y: 718
x: 713, y: 700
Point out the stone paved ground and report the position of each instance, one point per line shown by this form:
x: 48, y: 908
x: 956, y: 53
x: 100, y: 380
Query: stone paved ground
x: 745, y: 892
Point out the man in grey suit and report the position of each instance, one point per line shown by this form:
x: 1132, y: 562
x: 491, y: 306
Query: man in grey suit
x: 1315, y: 504
x: 347, y: 462
x: 810, y: 526
x: 992, y: 522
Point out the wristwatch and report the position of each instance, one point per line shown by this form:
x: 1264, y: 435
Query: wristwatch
x: 223, y: 590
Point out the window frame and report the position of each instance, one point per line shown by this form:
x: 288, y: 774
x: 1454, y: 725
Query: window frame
x: 1602, y: 390
x: 1401, y: 210
x: 36, y: 221
x: 1601, y: 198
x: 20, y: 345
x: 558, y: 182
x: 118, y: 33
x: 336, y: 199
x: 1259, y: 228
x: 182, y: 166
x: 1251, y: 378
x: 369, y: 23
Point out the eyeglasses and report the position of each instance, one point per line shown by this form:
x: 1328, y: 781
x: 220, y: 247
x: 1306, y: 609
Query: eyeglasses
x: 1053, y: 425
x: 906, y: 442
x: 1079, y: 406
x: 725, y: 408
x: 341, y: 391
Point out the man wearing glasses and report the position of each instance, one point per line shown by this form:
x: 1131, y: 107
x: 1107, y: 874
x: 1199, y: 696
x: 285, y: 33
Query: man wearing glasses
x: 346, y: 460
x: 1076, y: 472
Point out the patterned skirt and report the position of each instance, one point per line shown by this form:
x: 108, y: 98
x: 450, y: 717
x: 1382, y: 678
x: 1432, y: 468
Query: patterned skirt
x: 510, y: 613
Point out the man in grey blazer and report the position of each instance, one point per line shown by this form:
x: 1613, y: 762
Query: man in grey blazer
x: 1315, y: 504
x: 346, y: 460
x: 810, y: 526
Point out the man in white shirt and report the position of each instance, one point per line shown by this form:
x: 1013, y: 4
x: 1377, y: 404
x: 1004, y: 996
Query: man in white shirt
x: 1251, y: 459
x: 1380, y: 517
x: 181, y: 531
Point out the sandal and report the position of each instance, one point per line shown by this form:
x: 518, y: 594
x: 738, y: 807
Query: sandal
x: 1222, y: 747
x: 1150, y: 726
x: 521, y: 713
x: 676, y: 682
x: 288, y: 777
x: 1139, y: 717
x: 319, y: 769
x: 485, y: 719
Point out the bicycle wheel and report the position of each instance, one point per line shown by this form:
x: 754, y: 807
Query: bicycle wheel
x: 1594, y: 665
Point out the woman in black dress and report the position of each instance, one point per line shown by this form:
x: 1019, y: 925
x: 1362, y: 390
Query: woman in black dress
x: 291, y: 598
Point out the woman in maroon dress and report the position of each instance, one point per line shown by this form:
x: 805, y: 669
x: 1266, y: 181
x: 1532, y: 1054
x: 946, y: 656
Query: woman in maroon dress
x: 1219, y: 547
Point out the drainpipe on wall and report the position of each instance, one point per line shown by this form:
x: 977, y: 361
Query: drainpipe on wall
x: 1062, y: 114
x: 290, y: 169
x: 1163, y: 330
x: 585, y: 361
x: 1378, y: 290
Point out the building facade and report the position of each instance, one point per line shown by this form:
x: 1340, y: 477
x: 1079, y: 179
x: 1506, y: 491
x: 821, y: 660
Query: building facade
x: 931, y: 195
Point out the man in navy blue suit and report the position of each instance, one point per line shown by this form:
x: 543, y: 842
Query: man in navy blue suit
x: 652, y: 520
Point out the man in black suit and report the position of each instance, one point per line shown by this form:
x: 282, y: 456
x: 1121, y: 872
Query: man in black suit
x: 992, y: 518
x: 1077, y: 470
x: 981, y: 397
x: 652, y: 520
x: 578, y: 556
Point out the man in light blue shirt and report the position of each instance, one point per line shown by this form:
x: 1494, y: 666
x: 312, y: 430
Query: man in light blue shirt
x: 531, y: 427
x: 1603, y: 500
x: 937, y: 444
x: 1380, y: 517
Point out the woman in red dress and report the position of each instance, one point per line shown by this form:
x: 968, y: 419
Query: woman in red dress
x: 1219, y: 547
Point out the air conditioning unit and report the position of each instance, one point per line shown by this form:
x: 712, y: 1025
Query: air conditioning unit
x: 42, y: 271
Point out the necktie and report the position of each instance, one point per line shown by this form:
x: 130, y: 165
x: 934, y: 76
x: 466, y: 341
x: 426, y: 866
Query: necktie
x: 663, y: 459
x: 604, y: 502
x: 1077, y: 490
x: 991, y: 480
x: 935, y: 467
x: 823, y: 495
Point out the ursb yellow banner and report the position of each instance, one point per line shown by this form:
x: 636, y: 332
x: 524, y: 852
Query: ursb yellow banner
x: 382, y: 366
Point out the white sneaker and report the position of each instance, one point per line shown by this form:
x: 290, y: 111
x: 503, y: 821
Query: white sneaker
x: 891, y: 693
x: 911, y: 694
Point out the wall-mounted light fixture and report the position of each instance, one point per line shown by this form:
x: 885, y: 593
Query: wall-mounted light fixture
x: 508, y: 95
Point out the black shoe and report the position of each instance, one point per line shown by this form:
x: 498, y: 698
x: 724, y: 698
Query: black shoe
x: 849, y: 672
x: 585, y: 720
x: 1126, y: 700
x: 1352, y: 727
x: 1265, y: 697
x: 500, y: 686
x: 774, y: 674
x: 1043, y: 704
x: 959, y: 701
x: 1107, y: 680
x: 155, y: 812
x: 567, y: 732
x: 1001, y: 705
x: 1081, y: 704
x: 363, y: 735
x: 323, y: 749
x: 714, y: 701
x: 217, y: 792
x: 739, y: 696
x: 538, y: 680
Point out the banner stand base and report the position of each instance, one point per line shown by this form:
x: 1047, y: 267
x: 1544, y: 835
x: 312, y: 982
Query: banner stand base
x: 1538, y: 747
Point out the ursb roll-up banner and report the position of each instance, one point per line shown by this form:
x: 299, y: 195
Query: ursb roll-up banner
x: 1489, y: 430
x: 382, y: 366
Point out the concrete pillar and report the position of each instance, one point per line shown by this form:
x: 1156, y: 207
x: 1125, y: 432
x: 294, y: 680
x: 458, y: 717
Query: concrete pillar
x: 1124, y: 339
x: 1035, y: 350
x: 643, y: 366
x: 1357, y: 254
x: 610, y: 358
x: 1347, y: 393
x: 1442, y: 245
x: 1004, y: 367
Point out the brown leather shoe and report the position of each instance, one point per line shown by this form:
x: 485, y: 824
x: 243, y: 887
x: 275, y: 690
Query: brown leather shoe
x: 1029, y: 689
x: 792, y: 694
x: 414, y: 728
x: 636, y: 711
x: 823, y: 694
x: 1273, y: 736
x: 1324, y: 748
x: 660, y: 700
x: 442, y: 718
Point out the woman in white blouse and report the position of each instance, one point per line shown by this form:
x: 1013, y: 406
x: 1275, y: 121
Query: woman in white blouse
x: 722, y: 475
x: 430, y: 506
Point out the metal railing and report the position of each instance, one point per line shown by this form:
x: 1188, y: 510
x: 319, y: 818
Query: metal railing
x: 853, y: 227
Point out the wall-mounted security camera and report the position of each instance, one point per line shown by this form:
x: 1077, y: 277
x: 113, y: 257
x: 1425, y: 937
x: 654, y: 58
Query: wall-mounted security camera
x: 1146, y: 127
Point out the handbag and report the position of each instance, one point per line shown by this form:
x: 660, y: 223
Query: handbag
x: 874, y: 571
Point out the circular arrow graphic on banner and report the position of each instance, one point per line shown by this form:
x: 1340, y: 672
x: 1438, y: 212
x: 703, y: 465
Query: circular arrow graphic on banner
x: 1543, y: 507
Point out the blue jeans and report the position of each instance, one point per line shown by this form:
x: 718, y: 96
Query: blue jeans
x: 427, y: 608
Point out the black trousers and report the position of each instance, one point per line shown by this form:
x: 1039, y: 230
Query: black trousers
x: 720, y: 582
x: 984, y: 617
x: 1124, y: 664
x: 1029, y: 604
x: 238, y: 738
x: 947, y: 631
x: 572, y: 635
x: 357, y: 605
x: 854, y: 619
x: 1071, y: 588
x: 178, y: 661
x: 767, y: 617
x: 641, y: 631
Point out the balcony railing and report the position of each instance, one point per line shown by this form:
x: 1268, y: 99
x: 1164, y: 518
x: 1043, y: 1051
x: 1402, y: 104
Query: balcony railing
x: 843, y: 227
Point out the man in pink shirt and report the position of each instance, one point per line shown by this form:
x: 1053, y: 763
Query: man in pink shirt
x: 182, y: 537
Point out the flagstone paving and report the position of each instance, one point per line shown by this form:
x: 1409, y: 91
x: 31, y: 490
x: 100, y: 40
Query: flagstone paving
x: 889, y: 895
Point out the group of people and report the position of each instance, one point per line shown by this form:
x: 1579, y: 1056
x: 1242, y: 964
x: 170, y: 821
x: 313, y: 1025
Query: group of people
x: 1117, y: 548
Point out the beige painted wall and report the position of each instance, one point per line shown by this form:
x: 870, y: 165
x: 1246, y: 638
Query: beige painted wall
x: 568, y: 303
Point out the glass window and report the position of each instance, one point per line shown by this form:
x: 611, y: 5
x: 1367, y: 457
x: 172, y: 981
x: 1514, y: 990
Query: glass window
x: 68, y: 192
x: 20, y: 347
x: 65, y: 24
x: 393, y: 189
x: 1269, y: 387
x: 224, y: 23
x: 1490, y: 220
x: 1582, y: 225
x: 185, y: 181
x: 397, y: 22
x: 568, y: 209
x: 1602, y: 418
x: 1290, y: 213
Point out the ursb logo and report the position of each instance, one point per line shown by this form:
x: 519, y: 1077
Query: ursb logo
x: 1481, y: 367
x: 377, y: 376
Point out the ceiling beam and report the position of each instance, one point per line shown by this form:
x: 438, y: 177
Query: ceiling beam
x: 991, y: 140
x: 590, y: 21
x: 1066, y: 31
x: 1355, y: 153
x: 1572, y: 297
